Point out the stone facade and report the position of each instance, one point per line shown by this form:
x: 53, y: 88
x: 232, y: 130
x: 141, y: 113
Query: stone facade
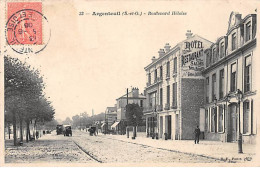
x: 230, y: 66
x: 172, y: 79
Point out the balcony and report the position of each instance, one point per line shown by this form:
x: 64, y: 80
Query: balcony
x: 167, y: 106
x: 174, y: 105
x: 157, y: 80
x: 159, y: 108
x: 149, y: 109
x: 167, y: 76
x: 174, y: 74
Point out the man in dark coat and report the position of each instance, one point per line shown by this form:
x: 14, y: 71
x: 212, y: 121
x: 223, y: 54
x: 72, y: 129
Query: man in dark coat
x: 197, y: 135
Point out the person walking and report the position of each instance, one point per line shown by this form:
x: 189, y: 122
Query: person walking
x: 197, y: 135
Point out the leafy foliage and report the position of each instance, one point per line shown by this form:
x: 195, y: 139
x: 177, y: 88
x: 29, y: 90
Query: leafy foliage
x: 24, y: 98
x: 134, y: 114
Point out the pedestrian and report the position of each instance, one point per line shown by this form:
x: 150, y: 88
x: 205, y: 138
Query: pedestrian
x: 197, y: 135
x: 37, y: 134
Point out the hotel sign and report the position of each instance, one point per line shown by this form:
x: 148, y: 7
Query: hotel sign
x: 192, y: 59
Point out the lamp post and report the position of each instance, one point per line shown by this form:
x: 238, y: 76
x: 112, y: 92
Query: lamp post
x: 239, y: 96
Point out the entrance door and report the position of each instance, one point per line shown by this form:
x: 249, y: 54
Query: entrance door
x: 169, y: 126
x: 161, y: 126
x: 232, y: 136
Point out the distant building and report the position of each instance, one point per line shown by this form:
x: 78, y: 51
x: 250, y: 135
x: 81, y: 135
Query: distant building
x: 175, y: 89
x: 133, y: 97
x: 110, y: 118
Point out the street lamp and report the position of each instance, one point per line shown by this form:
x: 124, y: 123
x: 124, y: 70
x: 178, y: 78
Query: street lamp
x: 239, y: 96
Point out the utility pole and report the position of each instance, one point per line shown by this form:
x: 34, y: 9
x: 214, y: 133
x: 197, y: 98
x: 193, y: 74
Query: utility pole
x: 127, y: 96
x: 127, y: 130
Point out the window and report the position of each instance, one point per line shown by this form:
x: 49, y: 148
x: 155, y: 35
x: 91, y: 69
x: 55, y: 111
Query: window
x: 222, y: 50
x: 152, y: 100
x: 141, y: 103
x: 233, y: 77
x: 234, y: 39
x: 214, y: 120
x: 168, y: 94
x: 208, y: 60
x: 174, y: 95
x: 221, y: 119
x: 248, y: 31
x: 213, y: 87
x: 207, y: 89
x: 247, y: 75
x: 161, y: 96
x: 206, y: 120
x: 149, y: 78
x: 175, y: 65
x: 221, y: 84
x: 246, y: 117
x: 155, y: 75
x: 168, y: 69
x: 161, y: 72
x: 214, y: 55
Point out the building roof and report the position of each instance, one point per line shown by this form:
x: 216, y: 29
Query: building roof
x: 111, y: 109
x: 177, y: 46
x: 130, y: 96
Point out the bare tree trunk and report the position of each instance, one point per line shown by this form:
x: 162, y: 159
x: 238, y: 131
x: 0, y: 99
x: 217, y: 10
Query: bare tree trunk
x: 134, y: 131
x: 9, y: 133
x: 14, y: 129
x: 27, y: 131
x: 21, y: 129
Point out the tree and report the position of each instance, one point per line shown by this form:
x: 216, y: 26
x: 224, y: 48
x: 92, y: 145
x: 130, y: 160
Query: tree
x: 67, y: 121
x: 24, y: 99
x: 134, y: 116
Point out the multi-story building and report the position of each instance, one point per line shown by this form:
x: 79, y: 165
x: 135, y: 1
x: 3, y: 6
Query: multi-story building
x: 132, y: 97
x: 175, y: 89
x: 229, y: 71
x: 110, y: 118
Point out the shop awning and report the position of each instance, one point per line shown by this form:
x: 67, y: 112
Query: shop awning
x: 115, y: 124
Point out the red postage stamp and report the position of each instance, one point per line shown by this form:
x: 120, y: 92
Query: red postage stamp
x: 24, y: 23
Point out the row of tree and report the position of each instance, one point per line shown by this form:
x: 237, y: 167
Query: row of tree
x: 25, y: 101
x: 83, y: 119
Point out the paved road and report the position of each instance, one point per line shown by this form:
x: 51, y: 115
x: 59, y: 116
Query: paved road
x: 108, y: 150
x: 82, y: 148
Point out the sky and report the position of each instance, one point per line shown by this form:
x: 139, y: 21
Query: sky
x: 90, y: 61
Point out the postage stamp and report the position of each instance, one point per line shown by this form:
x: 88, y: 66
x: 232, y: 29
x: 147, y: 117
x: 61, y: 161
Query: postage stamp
x: 24, y: 27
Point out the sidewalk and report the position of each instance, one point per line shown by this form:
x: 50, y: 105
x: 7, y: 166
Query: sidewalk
x: 227, y: 152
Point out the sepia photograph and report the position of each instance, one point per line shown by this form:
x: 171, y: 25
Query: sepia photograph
x: 129, y: 83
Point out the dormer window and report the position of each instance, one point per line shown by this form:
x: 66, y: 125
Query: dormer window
x: 155, y: 75
x: 214, y: 55
x: 149, y: 78
x: 234, y: 39
x: 248, y: 31
x: 222, y: 50
x: 208, y: 60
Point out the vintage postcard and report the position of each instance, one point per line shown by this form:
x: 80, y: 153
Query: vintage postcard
x: 129, y: 83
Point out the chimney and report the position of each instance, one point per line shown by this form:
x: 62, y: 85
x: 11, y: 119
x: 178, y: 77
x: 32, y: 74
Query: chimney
x: 167, y: 47
x: 154, y: 59
x: 135, y: 92
x: 161, y: 52
x: 188, y: 34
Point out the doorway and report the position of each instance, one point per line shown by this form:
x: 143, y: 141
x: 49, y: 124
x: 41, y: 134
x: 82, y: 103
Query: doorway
x: 169, y: 126
x: 161, y: 126
x: 232, y: 123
